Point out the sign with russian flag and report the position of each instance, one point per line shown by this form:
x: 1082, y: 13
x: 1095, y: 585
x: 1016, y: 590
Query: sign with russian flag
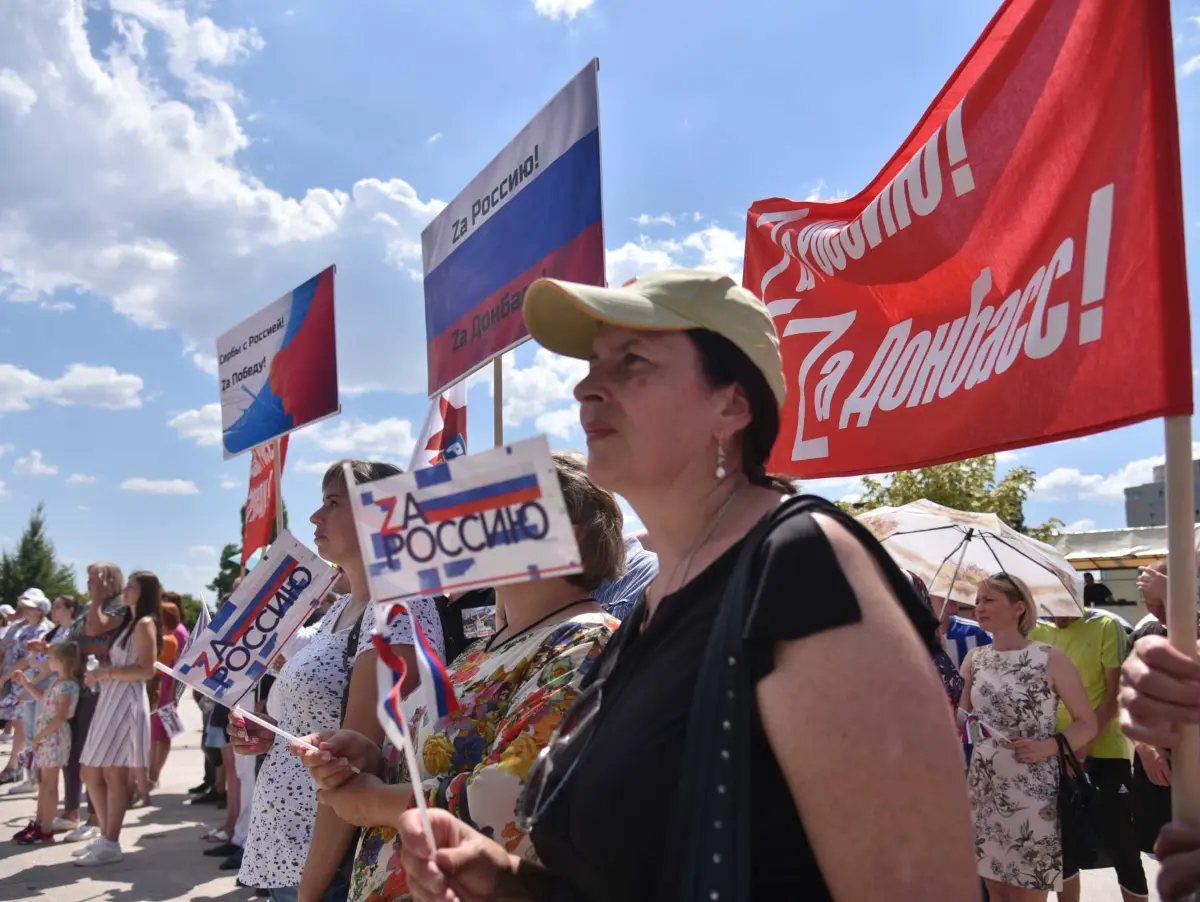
x: 486, y: 519
x: 444, y: 435
x: 534, y: 211
x: 241, y: 641
x: 278, y: 369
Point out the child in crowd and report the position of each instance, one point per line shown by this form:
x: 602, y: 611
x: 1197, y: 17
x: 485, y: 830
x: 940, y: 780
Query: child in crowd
x: 52, y: 737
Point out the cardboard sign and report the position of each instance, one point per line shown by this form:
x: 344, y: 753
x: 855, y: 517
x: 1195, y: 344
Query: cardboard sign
x: 534, y: 211
x: 168, y: 716
x: 278, y: 369
x: 237, y: 648
x: 486, y: 519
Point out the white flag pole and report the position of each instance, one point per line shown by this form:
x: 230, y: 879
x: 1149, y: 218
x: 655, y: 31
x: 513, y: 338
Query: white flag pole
x: 1181, y: 602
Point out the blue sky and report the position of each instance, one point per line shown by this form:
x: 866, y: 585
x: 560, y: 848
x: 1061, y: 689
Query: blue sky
x: 167, y: 168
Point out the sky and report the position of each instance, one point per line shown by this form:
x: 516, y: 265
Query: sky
x: 167, y: 168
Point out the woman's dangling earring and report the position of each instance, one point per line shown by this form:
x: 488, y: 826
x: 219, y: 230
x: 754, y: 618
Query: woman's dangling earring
x: 720, y: 459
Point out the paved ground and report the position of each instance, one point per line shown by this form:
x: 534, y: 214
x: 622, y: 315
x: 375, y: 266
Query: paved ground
x: 162, y: 846
x: 162, y: 849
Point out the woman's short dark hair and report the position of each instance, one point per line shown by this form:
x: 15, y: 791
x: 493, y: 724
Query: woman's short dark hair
x: 724, y: 365
x: 362, y: 470
x: 598, y: 518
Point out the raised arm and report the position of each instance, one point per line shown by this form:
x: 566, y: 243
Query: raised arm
x: 331, y: 835
x: 144, y: 642
x: 856, y: 719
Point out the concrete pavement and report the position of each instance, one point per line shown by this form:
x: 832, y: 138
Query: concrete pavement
x: 163, y: 860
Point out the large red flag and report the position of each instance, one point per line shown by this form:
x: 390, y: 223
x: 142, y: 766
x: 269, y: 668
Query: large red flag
x: 260, y: 500
x: 1014, y: 275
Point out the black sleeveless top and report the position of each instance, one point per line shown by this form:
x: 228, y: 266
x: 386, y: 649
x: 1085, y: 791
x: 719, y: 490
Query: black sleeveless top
x: 603, y: 838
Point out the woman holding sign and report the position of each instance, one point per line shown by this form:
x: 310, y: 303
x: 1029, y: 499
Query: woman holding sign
x: 766, y: 723
x: 119, y: 738
x: 295, y: 849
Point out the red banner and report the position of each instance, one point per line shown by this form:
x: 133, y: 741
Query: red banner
x: 1014, y: 275
x: 260, y: 500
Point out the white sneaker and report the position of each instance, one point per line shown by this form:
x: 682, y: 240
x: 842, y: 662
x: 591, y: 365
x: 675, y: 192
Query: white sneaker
x: 28, y: 787
x: 101, y: 852
x: 62, y: 825
x: 86, y: 847
x: 84, y: 833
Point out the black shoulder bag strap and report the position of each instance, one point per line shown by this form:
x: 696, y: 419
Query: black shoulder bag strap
x: 708, y: 846
x: 346, y: 868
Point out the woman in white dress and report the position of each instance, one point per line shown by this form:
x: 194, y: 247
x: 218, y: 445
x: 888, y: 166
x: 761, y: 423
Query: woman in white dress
x: 119, y: 736
x: 1013, y: 688
x: 296, y: 850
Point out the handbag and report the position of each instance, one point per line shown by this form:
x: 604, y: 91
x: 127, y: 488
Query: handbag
x: 1076, y: 803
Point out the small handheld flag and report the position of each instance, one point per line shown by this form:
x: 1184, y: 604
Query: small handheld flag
x: 200, y: 626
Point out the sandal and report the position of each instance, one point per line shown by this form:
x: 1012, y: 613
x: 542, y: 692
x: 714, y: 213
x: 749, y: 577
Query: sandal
x: 217, y: 835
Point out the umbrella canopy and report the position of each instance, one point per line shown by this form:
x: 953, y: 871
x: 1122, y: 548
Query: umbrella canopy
x: 953, y: 551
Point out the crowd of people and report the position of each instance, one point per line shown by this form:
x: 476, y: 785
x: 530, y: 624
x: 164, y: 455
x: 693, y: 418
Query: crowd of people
x: 750, y: 700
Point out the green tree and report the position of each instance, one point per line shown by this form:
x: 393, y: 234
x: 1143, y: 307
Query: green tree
x: 231, y: 558
x: 965, y: 485
x: 191, y: 609
x: 33, y: 564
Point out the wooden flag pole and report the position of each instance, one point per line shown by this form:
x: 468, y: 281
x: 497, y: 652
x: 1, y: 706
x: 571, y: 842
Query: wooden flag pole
x: 1181, y: 602
x: 498, y: 400
x: 278, y: 463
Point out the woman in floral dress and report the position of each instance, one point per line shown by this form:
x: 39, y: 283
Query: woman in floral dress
x: 1012, y: 690
x: 514, y: 688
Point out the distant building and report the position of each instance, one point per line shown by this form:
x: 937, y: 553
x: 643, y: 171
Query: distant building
x: 1146, y: 505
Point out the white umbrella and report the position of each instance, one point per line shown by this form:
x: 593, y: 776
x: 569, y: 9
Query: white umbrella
x: 953, y: 551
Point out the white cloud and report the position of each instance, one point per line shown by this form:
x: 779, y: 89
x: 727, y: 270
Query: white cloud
x: 541, y: 390
x: 709, y: 248
x: 206, y: 363
x: 836, y: 488
x: 228, y: 483
x: 4, y: 449
x: 160, y: 486
x: 562, y: 423
x: 1006, y: 457
x: 3, y: 490
x: 80, y: 479
x: 815, y: 194
x: 205, y: 551
x: 1084, y: 525
x: 1069, y: 483
x: 317, y: 467
x: 391, y: 439
x: 95, y: 386
x: 644, y: 219
x: 203, y: 426
x: 33, y: 464
x: 434, y: 138
x: 15, y: 93
x: 561, y: 9
x: 1190, y: 67
x: 83, y: 507
x: 130, y: 183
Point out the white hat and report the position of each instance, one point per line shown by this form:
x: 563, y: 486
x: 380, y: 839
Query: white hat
x: 7, y: 610
x: 35, y: 598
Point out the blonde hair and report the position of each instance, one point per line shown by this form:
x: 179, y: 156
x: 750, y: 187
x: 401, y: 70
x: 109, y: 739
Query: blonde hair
x: 1015, y: 590
x: 67, y: 652
x: 110, y: 577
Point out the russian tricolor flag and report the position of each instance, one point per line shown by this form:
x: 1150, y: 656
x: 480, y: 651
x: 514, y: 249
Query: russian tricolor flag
x: 437, y: 694
x: 534, y: 211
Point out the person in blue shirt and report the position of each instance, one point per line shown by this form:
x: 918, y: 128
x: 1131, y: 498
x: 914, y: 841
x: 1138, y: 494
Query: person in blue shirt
x: 959, y: 635
x: 620, y: 595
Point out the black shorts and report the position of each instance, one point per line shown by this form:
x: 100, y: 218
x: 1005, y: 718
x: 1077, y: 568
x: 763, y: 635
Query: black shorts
x: 1113, y: 779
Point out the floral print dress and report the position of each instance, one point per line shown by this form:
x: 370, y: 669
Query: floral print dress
x: 513, y: 694
x: 1015, y: 805
x: 55, y: 749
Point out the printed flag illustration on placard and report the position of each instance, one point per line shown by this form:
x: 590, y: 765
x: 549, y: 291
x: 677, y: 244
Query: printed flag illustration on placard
x: 487, y: 519
x: 278, y: 369
x: 444, y: 435
x: 253, y: 625
x: 1014, y: 275
x: 534, y: 211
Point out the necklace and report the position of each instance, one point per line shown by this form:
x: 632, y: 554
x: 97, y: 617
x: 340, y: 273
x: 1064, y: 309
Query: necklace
x: 686, y: 563
x: 495, y: 636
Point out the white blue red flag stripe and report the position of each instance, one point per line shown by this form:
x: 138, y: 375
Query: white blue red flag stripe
x: 436, y: 692
x: 200, y: 626
x: 535, y: 210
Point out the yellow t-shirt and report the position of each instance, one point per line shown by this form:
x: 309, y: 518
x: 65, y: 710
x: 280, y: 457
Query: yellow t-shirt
x: 1094, y: 644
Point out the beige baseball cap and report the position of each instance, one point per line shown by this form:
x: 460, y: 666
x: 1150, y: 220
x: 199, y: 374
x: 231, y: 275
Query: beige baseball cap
x: 564, y: 317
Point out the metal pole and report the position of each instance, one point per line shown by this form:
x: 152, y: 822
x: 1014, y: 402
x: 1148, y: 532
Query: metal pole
x: 278, y: 474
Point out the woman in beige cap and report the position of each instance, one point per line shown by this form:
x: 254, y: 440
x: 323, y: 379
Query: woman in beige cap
x: 766, y: 724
